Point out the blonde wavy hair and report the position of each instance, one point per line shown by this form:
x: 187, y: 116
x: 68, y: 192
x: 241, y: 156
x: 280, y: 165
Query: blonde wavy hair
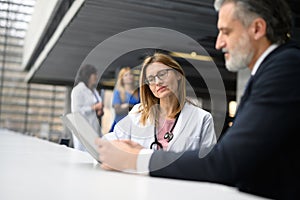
x: 149, y: 102
x: 120, y: 83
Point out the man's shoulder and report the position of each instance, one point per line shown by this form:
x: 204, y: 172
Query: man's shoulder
x: 286, y: 57
x: 288, y: 49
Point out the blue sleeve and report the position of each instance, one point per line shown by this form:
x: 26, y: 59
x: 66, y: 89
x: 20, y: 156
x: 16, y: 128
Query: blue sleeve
x: 116, y: 98
x: 132, y: 99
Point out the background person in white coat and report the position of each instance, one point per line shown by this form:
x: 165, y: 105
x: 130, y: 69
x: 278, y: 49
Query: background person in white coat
x: 165, y: 119
x: 86, y: 99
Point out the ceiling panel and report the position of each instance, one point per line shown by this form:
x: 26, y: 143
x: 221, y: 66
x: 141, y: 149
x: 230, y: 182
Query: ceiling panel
x: 98, y: 20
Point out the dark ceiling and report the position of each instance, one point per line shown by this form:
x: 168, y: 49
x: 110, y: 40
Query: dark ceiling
x: 98, y: 20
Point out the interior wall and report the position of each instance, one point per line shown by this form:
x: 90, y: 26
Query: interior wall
x: 42, y: 14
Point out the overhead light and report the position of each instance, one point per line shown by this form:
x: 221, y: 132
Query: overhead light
x: 110, y: 83
x: 193, y: 55
x: 232, y: 108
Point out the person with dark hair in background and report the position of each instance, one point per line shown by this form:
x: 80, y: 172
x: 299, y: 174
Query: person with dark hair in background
x: 86, y: 99
x: 125, y: 95
x: 259, y: 153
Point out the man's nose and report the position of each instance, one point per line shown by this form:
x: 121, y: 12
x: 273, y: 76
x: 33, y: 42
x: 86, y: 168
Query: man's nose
x: 219, y: 42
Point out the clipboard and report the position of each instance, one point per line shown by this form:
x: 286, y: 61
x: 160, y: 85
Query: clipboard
x: 85, y: 133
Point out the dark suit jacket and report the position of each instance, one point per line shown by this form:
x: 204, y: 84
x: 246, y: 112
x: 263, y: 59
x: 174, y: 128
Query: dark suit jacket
x: 259, y: 154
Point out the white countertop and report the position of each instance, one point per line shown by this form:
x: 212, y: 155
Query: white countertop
x: 31, y: 168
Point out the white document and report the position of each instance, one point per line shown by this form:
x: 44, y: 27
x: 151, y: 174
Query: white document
x: 83, y: 131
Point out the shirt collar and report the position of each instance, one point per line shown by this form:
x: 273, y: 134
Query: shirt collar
x: 262, y: 57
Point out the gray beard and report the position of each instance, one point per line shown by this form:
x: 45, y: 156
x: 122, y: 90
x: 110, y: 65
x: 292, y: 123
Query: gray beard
x: 240, y: 57
x: 236, y: 66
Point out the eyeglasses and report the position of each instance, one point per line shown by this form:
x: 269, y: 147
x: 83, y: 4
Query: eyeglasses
x: 161, y: 75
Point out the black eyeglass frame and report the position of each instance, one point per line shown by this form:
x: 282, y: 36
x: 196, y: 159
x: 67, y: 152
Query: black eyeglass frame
x: 158, y: 76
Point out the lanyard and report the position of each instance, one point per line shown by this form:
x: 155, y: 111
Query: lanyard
x: 96, y: 96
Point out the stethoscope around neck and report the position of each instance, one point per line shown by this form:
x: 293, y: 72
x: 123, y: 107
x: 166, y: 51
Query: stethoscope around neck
x: 168, y: 135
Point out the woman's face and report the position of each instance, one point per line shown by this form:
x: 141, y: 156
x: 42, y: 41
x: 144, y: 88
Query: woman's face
x: 128, y: 78
x: 93, y: 80
x: 162, y: 80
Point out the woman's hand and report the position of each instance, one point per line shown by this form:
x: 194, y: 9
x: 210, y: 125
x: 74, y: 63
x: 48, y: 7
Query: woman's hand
x: 98, y: 107
x: 121, y: 108
x: 125, y: 105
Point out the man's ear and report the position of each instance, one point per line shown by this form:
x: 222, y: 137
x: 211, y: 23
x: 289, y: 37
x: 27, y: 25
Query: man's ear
x: 258, y: 28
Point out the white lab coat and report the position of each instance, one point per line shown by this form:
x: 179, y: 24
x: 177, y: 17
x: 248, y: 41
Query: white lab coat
x: 82, y: 99
x: 194, y: 130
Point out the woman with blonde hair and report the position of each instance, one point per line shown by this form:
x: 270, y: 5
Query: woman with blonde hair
x: 165, y: 119
x: 125, y: 94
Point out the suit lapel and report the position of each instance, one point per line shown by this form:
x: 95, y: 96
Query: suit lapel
x: 259, y: 71
x: 247, y: 90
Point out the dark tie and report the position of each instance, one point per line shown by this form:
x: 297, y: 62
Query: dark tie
x: 245, y: 94
x: 248, y: 84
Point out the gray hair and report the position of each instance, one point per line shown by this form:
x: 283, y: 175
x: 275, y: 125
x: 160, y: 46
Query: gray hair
x: 276, y: 13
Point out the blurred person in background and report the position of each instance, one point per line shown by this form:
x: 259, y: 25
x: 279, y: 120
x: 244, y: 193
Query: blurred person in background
x: 86, y: 99
x: 125, y: 95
